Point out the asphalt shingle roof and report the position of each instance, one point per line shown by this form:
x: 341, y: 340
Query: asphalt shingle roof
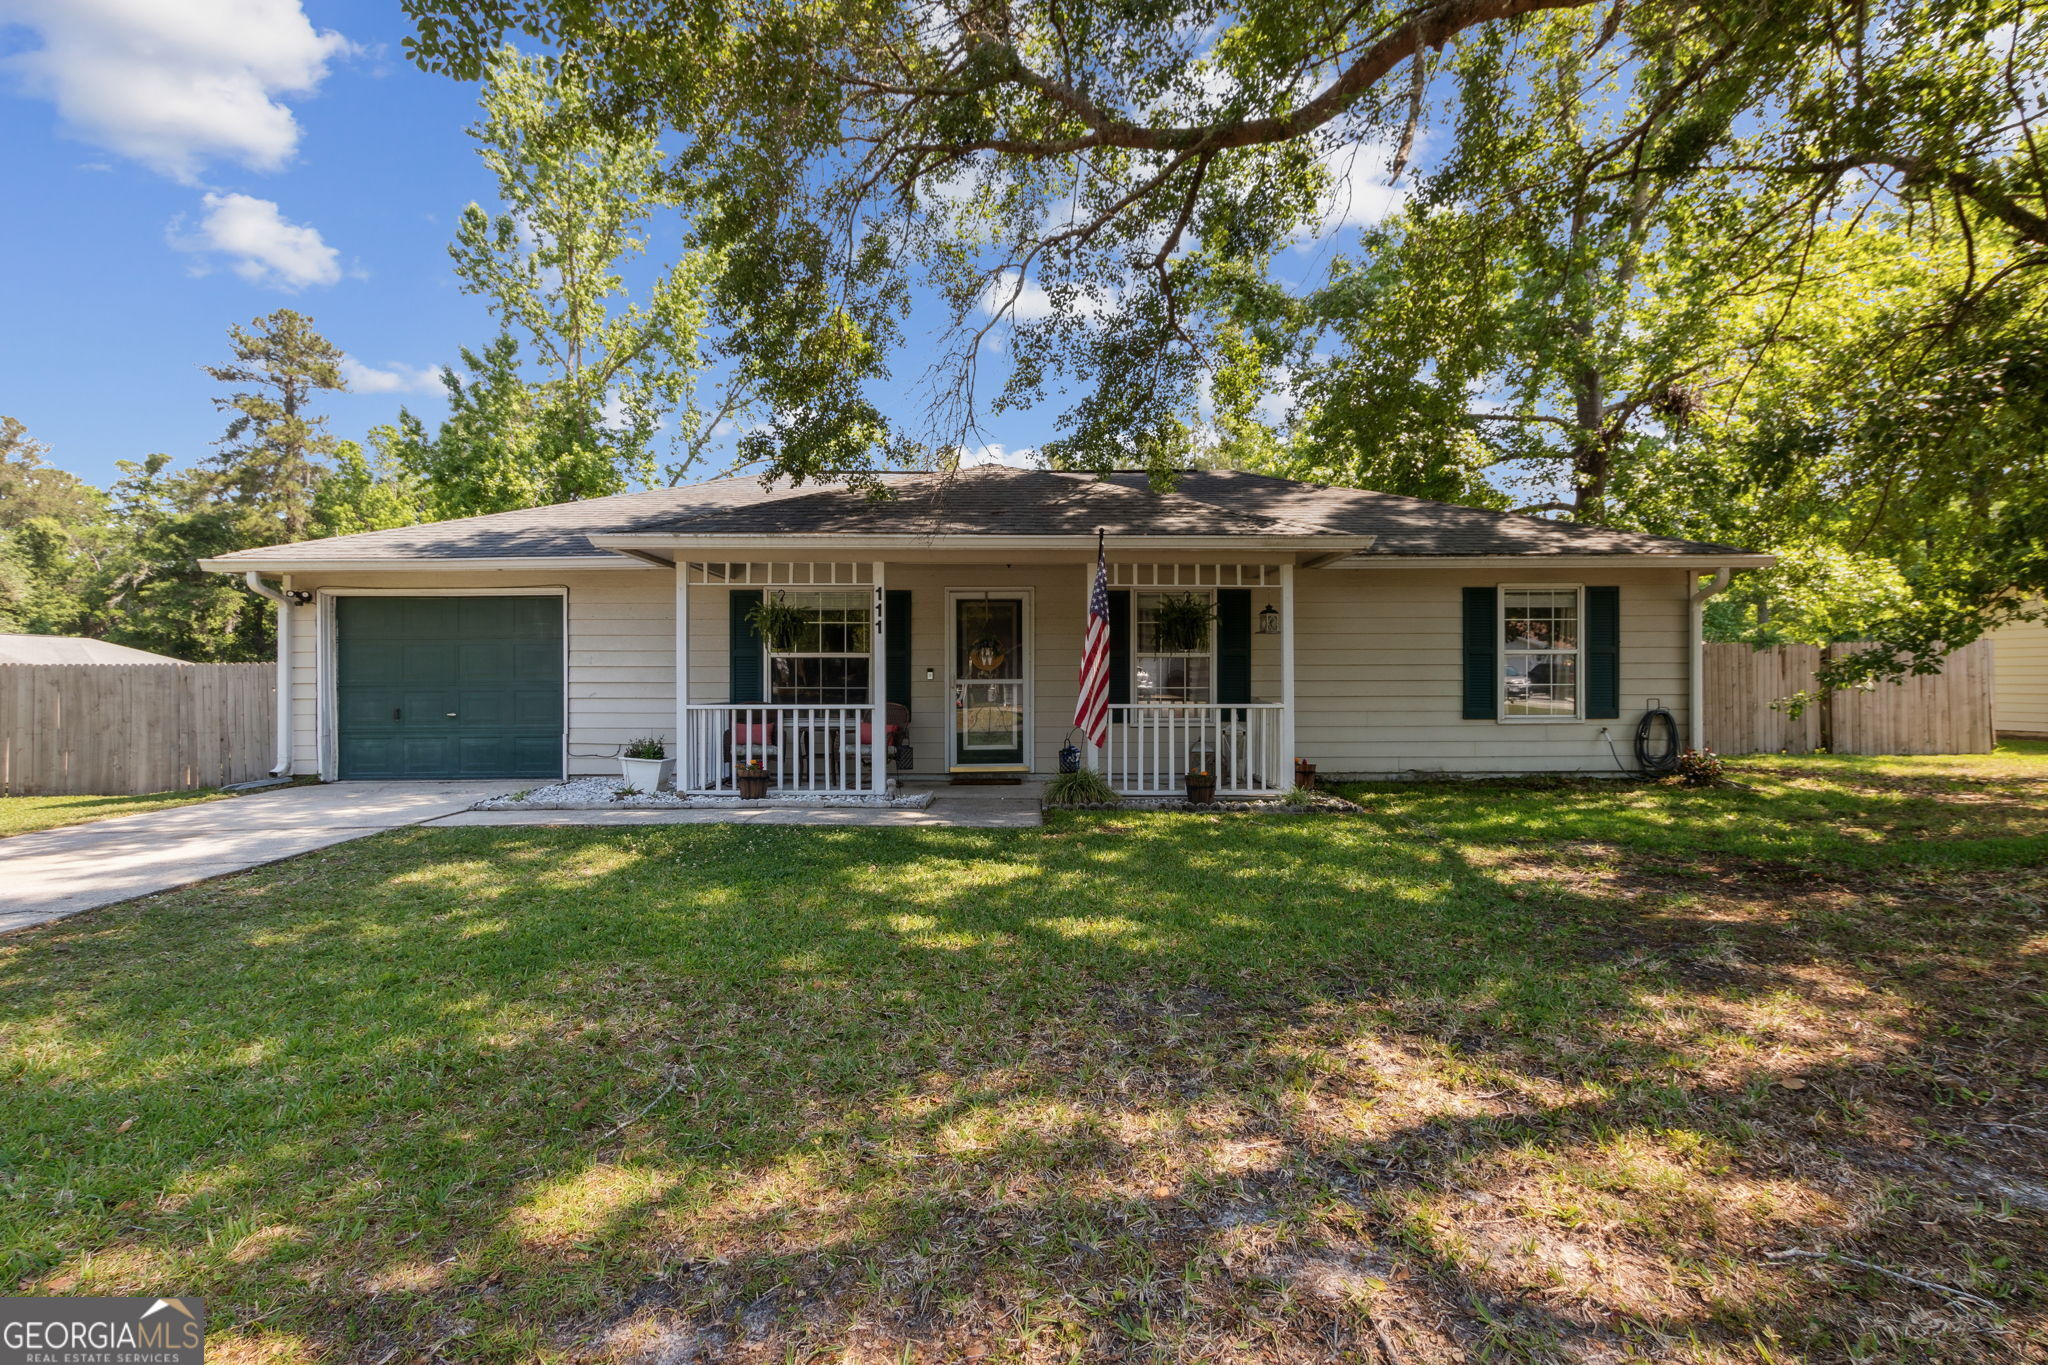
x: 990, y: 500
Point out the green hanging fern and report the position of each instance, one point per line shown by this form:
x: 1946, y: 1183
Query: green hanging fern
x: 1181, y: 622
x: 777, y: 622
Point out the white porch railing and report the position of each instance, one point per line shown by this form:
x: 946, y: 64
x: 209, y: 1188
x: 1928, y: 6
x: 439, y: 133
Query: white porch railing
x: 802, y: 748
x: 1153, y: 745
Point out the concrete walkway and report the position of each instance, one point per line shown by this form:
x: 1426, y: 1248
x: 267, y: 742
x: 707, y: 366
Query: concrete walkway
x: 57, y: 872
x: 969, y: 807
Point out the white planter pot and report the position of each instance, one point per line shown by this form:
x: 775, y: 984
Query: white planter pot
x: 648, y: 774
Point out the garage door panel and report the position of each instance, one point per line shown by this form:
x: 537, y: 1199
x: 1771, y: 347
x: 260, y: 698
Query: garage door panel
x: 535, y: 707
x: 431, y: 618
x: 449, y: 687
x: 493, y: 707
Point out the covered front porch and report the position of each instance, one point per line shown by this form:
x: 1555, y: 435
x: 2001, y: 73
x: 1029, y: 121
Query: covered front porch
x: 839, y: 676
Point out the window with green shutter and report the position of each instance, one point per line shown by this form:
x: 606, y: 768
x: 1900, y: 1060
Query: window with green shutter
x: 1482, y: 654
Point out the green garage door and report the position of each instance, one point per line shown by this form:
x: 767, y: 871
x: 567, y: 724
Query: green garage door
x: 445, y: 687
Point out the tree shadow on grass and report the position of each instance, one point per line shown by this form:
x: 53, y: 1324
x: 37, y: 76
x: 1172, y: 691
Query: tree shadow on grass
x: 1159, y: 1087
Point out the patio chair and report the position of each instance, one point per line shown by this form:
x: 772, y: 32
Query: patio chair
x: 895, y: 738
x: 758, y: 739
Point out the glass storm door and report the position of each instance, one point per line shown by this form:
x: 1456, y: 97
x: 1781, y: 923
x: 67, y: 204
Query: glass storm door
x: 988, y: 681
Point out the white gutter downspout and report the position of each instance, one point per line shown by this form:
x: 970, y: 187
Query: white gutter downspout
x: 254, y: 578
x: 1696, y: 701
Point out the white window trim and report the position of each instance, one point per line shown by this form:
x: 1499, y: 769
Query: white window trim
x: 1500, y: 654
x: 769, y: 656
x: 1137, y: 614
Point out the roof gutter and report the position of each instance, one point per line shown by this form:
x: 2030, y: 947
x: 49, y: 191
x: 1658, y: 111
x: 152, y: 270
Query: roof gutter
x: 254, y: 578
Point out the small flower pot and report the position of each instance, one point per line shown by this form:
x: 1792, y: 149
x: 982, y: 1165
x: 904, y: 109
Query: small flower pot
x: 1304, y: 773
x: 1201, y: 793
x: 753, y: 786
x: 648, y: 774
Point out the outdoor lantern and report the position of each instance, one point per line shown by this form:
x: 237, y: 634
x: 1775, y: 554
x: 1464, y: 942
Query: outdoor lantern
x: 1269, y: 620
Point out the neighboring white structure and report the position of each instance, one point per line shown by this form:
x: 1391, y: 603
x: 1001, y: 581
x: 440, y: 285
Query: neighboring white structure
x: 2019, y: 705
x: 68, y: 649
x: 1369, y: 634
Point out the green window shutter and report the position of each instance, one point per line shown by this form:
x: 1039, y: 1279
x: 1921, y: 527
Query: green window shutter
x: 1120, y: 648
x: 745, y: 660
x: 896, y: 645
x: 1603, y: 653
x: 1482, y: 654
x: 1233, y: 645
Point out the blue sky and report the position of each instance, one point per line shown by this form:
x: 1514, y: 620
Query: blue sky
x: 176, y: 166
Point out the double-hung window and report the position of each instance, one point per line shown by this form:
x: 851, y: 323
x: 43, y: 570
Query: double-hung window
x: 828, y: 662
x: 1539, y: 653
x: 1164, y: 674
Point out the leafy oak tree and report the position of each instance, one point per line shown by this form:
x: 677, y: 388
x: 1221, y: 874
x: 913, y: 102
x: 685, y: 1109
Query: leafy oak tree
x: 1130, y: 169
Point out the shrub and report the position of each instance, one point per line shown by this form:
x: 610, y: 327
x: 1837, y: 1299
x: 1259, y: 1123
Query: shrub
x: 1301, y: 796
x: 1699, y: 767
x: 1083, y: 788
x: 653, y: 746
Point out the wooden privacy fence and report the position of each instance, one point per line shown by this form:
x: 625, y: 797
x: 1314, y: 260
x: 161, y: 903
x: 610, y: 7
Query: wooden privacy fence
x: 1943, y: 713
x: 120, y: 729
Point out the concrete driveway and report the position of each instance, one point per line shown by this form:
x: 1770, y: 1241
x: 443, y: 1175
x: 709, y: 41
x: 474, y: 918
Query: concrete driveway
x: 57, y: 872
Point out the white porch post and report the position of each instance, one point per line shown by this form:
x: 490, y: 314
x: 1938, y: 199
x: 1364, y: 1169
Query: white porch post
x: 878, y: 690
x: 1287, y: 755
x: 686, y: 762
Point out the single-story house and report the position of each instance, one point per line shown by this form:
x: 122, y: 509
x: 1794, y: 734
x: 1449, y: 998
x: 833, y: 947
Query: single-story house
x: 939, y: 628
x: 2019, y: 680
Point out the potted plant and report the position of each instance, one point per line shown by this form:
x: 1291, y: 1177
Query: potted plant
x: 777, y: 622
x: 646, y: 765
x: 1181, y: 622
x: 1304, y: 773
x: 1201, y: 786
x: 752, y: 779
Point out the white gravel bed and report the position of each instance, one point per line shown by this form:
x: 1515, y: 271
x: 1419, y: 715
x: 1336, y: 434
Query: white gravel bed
x: 603, y: 793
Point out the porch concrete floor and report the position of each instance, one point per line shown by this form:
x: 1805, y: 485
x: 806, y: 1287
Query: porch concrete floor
x: 967, y: 807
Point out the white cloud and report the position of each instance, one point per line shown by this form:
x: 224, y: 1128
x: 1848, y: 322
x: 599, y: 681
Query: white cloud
x: 175, y: 83
x: 397, y: 377
x: 1032, y: 302
x: 263, y: 248
x: 1358, y: 194
x: 1026, y: 458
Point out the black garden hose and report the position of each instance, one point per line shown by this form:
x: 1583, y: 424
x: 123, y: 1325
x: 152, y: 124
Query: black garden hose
x: 1657, y: 760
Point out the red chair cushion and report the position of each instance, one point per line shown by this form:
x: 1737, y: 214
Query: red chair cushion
x: 754, y: 735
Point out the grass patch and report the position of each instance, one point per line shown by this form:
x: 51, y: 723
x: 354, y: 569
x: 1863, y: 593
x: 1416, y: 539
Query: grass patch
x: 1518, y: 1071
x: 20, y: 814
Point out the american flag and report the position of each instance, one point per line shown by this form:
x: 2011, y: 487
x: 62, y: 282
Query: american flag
x: 1091, y: 712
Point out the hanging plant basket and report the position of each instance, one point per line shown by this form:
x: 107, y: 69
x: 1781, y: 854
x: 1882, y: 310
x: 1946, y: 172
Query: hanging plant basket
x: 1181, y: 622
x: 777, y: 622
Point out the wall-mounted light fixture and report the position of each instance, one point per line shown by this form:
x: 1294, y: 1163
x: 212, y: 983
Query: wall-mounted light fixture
x: 1269, y: 620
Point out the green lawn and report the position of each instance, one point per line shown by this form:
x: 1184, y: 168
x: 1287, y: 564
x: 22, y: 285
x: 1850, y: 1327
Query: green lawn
x: 20, y: 814
x: 1518, y: 1072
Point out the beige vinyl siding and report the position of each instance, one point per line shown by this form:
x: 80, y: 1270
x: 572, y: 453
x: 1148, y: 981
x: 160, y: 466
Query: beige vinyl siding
x: 1378, y: 685
x: 2020, y: 679
x: 621, y: 654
